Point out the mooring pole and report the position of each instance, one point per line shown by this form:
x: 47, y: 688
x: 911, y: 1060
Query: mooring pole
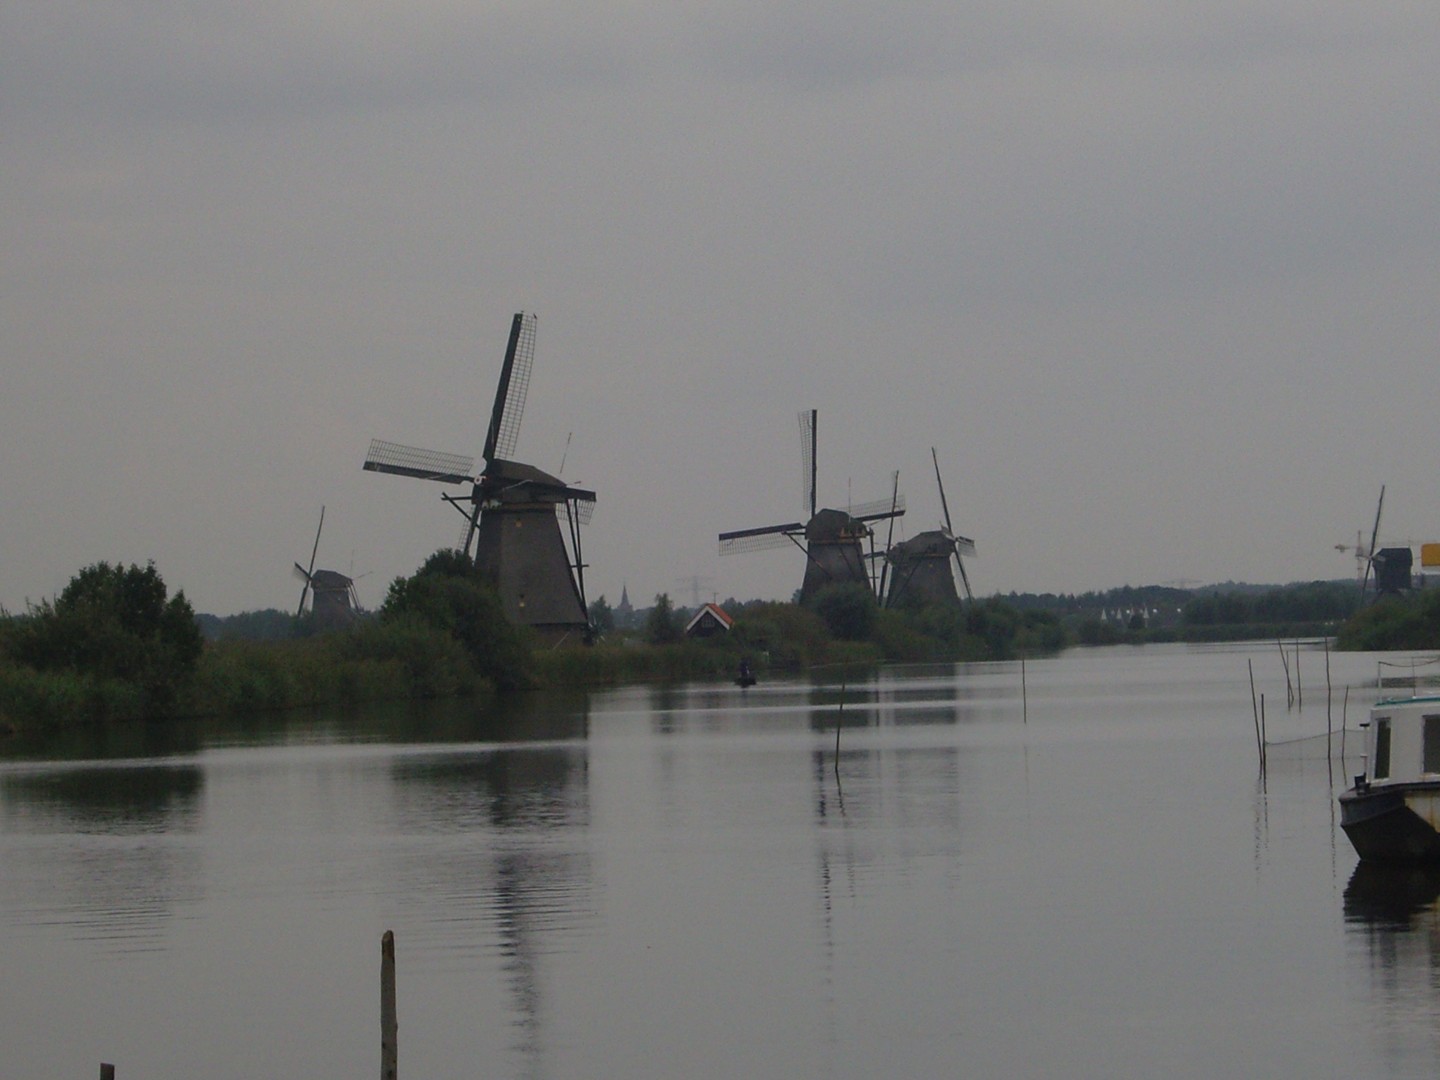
x: 1255, y: 709
x: 107, y: 1071
x: 389, y: 1025
x: 1024, y: 695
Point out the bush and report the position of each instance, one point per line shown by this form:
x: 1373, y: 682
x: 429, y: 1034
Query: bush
x: 447, y: 594
x: 113, y: 624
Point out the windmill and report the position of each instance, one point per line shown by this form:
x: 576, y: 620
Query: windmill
x: 333, y: 601
x: 921, y: 573
x: 831, y: 539
x: 513, y: 510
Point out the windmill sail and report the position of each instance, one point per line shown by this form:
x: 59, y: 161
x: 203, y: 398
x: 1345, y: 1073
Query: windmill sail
x: 401, y: 460
x: 504, y: 430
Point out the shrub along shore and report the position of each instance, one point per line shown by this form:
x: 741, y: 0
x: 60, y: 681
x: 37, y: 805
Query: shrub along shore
x: 114, y: 646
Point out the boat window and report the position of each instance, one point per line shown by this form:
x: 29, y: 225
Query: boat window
x: 1381, y: 770
x: 1432, y: 744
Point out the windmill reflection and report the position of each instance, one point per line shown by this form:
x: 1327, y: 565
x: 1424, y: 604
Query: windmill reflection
x: 503, y: 865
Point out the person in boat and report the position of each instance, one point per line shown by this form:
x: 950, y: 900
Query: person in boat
x: 745, y: 675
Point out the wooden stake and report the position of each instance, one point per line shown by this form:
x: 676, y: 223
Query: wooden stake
x: 1299, y: 686
x: 1024, y: 696
x: 1285, y: 663
x: 389, y: 1024
x: 107, y: 1072
x: 1255, y: 710
x: 1263, y: 754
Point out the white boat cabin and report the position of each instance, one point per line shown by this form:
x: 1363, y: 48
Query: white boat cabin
x: 1402, y: 743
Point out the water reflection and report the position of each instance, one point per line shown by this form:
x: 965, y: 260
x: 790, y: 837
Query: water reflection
x: 109, y: 863
x: 504, y: 874
x: 1391, y: 898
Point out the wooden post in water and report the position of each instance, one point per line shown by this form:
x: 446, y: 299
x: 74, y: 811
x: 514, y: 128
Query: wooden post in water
x: 1329, y: 723
x: 1285, y: 663
x: 1299, y: 686
x: 1024, y: 695
x: 107, y: 1071
x: 1344, y: 720
x: 1263, y: 754
x: 389, y: 1025
x: 1255, y: 710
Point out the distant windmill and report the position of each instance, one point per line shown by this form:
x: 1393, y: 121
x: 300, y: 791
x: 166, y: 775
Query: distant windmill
x: 513, y: 510
x: 333, y: 601
x: 920, y: 571
x: 831, y: 539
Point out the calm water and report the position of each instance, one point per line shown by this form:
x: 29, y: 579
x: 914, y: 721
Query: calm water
x: 1088, y: 879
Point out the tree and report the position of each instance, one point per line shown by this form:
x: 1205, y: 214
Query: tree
x: 848, y: 610
x: 602, y: 615
x: 661, y: 625
x: 115, y: 623
x: 448, y: 594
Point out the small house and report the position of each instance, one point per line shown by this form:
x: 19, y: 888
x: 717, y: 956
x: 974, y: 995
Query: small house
x: 710, y: 621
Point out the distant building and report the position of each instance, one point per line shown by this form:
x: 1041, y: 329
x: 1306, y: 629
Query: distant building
x: 709, y: 621
x: 624, y: 611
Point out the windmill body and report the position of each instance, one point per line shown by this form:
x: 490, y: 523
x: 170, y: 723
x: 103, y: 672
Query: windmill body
x: 919, y: 568
x: 513, y: 510
x: 833, y: 540
x: 521, y: 551
x: 333, y: 603
x: 835, y: 554
x: 920, y: 574
x: 331, y: 598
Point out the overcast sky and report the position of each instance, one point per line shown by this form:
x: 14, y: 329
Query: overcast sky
x: 1158, y: 282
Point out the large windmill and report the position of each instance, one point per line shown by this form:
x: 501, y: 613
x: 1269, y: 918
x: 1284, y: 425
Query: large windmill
x: 513, y: 510
x: 333, y: 601
x: 833, y: 540
x: 919, y: 568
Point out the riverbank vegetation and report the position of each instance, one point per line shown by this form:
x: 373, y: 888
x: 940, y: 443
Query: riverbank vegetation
x: 114, y: 645
x: 1395, y: 622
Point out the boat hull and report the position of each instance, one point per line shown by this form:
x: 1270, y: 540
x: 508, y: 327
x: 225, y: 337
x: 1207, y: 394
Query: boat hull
x: 1393, y: 824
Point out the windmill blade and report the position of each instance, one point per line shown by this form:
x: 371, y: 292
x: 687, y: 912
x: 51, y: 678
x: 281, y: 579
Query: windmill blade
x: 316, y: 546
x: 299, y: 572
x: 963, y: 544
x: 584, y: 509
x: 808, y: 422
x: 956, y: 540
x: 761, y: 539
x: 401, y: 460
x: 510, y: 393
x: 1374, y: 536
x: 889, y: 536
x: 308, y: 575
x: 944, y: 506
x: 879, y: 509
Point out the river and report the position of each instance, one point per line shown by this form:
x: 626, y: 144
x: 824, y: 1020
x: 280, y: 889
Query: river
x: 1067, y: 868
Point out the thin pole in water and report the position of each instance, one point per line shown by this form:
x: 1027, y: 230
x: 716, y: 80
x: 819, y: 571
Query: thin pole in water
x: 389, y: 1025
x: 1329, y: 722
x: 1263, y: 754
x: 1255, y: 710
x: 1299, y: 686
x: 839, y: 715
x: 1285, y: 663
x: 1024, y: 694
x: 1344, y: 722
x: 107, y: 1071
